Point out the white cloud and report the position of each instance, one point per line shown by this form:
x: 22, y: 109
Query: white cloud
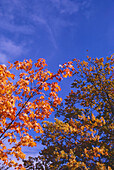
x: 10, y: 47
x: 10, y: 50
x: 41, y: 20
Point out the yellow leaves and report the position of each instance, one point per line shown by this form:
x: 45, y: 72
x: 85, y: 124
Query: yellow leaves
x: 88, y: 117
x: 109, y: 168
x: 80, y: 117
x: 92, y: 117
x: 85, y: 151
x: 63, y: 154
x: 85, y: 63
x: 103, y: 120
x: 101, y: 166
x: 82, y: 128
x: 51, y: 109
x: 28, y: 89
x: 101, y: 59
x: 108, y: 58
x: 10, y: 65
x: 36, y: 89
x: 66, y: 70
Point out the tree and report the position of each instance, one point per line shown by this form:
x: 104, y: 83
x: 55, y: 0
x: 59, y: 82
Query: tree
x: 83, y: 139
x: 24, y: 99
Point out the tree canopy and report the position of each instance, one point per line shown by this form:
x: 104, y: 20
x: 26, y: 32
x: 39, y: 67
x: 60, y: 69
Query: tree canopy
x: 82, y: 135
x: 28, y: 93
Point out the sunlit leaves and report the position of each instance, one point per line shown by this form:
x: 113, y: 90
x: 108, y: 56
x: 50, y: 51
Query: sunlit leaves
x: 84, y: 139
x: 25, y: 97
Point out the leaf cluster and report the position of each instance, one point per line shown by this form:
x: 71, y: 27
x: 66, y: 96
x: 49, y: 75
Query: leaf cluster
x: 84, y: 139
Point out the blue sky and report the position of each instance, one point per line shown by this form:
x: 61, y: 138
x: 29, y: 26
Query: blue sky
x: 57, y: 30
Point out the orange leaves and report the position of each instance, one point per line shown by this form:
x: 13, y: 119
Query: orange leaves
x: 109, y: 168
x: 4, y: 73
x: 25, y: 65
x: 84, y: 63
x: 89, y: 58
x: 83, y: 140
x: 19, y: 117
x: 55, y: 87
x: 40, y: 63
x: 92, y: 117
x: 66, y: 70
x: 109, y: 58
x: 67, y: 73
x: 22, y: 74
x: 12, y: 76
x: 31, y: 98
x: 27, y: 141
x: 27, y: 99
x: 46, y: 86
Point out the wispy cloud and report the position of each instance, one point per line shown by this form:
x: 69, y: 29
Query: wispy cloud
x: 24, y: 29
x: 22, y: 17
x: 9, y: 48
x: 57, y: 16
x: 39, y: 20
x: 10, y: 12
x: 66, y: 6
x: 70, y: 7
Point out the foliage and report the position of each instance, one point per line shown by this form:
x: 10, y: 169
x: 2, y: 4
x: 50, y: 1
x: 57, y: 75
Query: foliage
x: 25, y: 98
x: 83, y: 140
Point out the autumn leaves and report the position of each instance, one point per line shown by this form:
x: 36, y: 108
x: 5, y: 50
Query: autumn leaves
x: 80, y: 138
x: 25, y: 101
